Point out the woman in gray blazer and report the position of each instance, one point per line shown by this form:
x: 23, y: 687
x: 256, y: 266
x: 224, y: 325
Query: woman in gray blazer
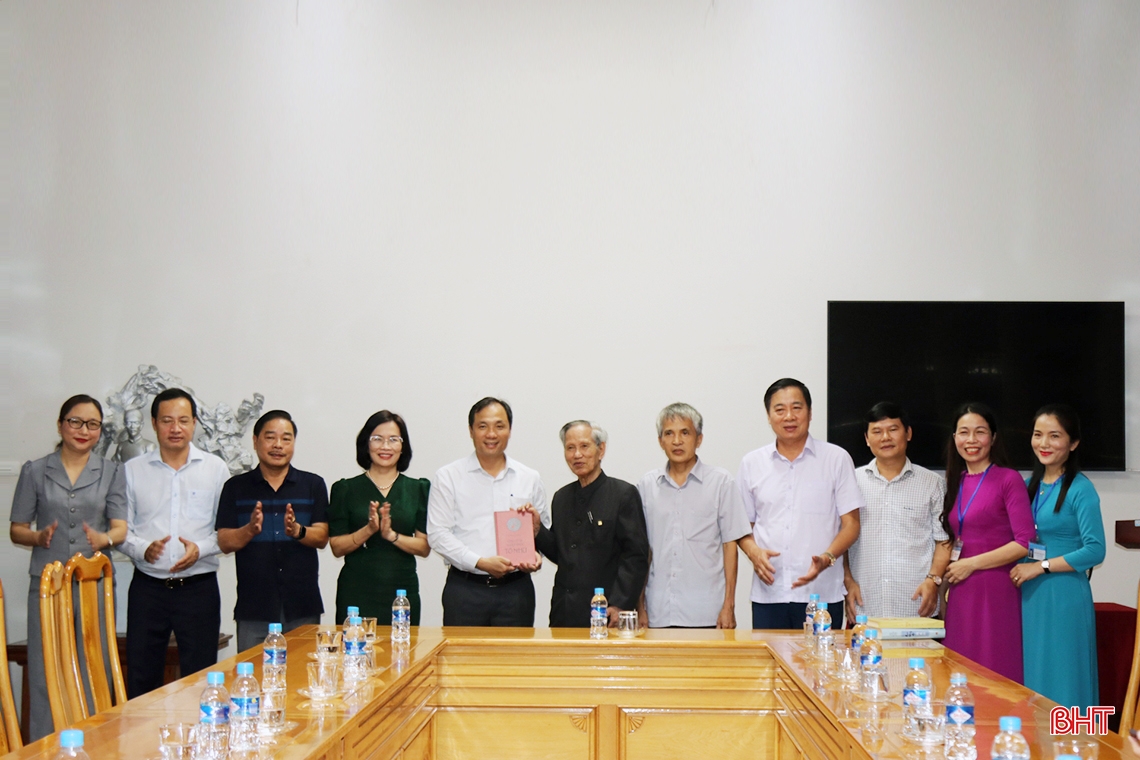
x: 78, y: 503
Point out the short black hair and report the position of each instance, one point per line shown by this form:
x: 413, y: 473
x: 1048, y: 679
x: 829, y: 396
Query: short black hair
x: 886, y: 410
x: 364, y: 457
x: 169, y: 395
x: 76, y: 400
x: 781, y: 384
x: 273, y: 414
x: 485, y: 402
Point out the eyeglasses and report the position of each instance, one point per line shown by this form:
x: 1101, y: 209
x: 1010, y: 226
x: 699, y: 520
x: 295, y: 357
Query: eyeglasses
x: 379, y: 441
x: 75, y: 423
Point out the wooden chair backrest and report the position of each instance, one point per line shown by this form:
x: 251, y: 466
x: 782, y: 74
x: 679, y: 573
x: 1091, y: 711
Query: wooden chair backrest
x: 61, y: 663
x: 1130, y: 717
x: 87, y: 573
x: 10, y: 740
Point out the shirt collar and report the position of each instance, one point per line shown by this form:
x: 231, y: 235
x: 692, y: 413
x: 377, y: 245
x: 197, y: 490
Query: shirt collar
x: 872, y: 469
x: 809, y: 448
x: 585, y: 492
x: 56, y: 471
x: 474, y: 466
x: 289, y: 474
x: 196, y: 455
x: 698, y: 473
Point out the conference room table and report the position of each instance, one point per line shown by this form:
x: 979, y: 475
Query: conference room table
x: 555, y: 693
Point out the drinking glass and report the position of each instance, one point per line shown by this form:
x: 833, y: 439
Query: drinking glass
x: 627, y: 624
x: 176, y: 741
x: 323, y: 676
x: 328, y: 643
x: 1081, y: 746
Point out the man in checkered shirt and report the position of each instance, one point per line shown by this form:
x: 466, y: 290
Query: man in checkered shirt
x: 896, y: 566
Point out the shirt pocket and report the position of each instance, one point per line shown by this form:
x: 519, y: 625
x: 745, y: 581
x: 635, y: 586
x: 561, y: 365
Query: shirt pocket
x: 699, y: 525
x: 815, y: 498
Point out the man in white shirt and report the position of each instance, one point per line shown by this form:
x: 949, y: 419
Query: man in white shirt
x: 694, y: 517
x: 896, y: 566
x: 172, y: 501
x: 803, y: 502
x: 483, y: 588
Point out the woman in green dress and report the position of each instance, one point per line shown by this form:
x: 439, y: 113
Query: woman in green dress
x: 378, y: 522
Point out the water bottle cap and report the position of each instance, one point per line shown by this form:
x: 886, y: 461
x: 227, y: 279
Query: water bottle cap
x: 872, y: 633
x: 917, y: 662
x: 71, y: 738
x: 957, y: 678
x: 598, y: 591
x: 813, y: 598
x: 245, y: 669
x: 215, y: 678
x: 401, y: 592
x: 355, y: 620
x: 352, y: 611
x: 1010, y: 723
x: 860, y: 619
x: 275, y: 628
x: 1068, y: 757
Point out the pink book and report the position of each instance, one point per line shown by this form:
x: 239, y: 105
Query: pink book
x: 514, y: 536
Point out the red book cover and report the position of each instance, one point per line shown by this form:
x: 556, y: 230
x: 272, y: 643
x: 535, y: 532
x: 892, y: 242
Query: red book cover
x: 514, y: 536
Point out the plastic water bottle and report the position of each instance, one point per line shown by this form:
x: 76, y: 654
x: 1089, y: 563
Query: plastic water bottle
x: 401, y: 618
x: 874, y: 677
x: 352, y: 612
x: 273, y: 659
x: 245, y: 708
x: 71, y: 745
x: 1010, y: 744
x: 355, y: 656
x: 857, y: 632
x: 820, y: 625
x: 960, y: 720
x: 214, y: 718
x: 916, y: 695
x: 809, y: 620
x: 599, y: 615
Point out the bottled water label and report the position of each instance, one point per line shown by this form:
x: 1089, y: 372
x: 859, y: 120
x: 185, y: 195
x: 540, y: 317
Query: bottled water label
x: 214, y: 715
x: 401, y: 616
x: 272, y: 657
x: 870, y: 660
x: 354, y: 647
x: 245, y: 707
x: 819, y: 628
x: 960, y: 715
x: 914, y: 697
x: 597, y: 613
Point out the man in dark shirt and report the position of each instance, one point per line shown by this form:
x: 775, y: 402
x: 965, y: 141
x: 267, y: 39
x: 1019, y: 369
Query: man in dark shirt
x: 597, y: 535
x: 274, y: 517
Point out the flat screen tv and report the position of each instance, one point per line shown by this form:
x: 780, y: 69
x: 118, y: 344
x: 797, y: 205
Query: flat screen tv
x: 1015, y: 356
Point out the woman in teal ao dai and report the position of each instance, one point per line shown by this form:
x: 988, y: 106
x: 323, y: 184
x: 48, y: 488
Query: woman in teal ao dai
x: 1057, y: 618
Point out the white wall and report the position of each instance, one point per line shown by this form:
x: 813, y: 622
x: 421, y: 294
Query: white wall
x: 591, y: 209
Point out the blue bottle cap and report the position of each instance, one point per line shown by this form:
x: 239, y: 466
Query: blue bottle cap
x: 821, y: 606
x: 245, y: 669
x: 917, y: 662
x: 401, y: 592
x: 1068, y: 757
x: 957, y: 678
x: 352, y: 611
x: 860, y: 619
x: 598, y: 591
x: 872, y: 633
x: 813, y: 598
x: 215, y: 678
x: 1009, y: 723
x: 71, y: 738
x: 275, y: 628
x: 355, y: 620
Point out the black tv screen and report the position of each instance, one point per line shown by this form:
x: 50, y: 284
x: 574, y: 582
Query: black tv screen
x: 931, y: 356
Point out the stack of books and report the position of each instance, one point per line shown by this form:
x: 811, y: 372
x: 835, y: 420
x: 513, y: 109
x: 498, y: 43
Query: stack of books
x: 910, y: 637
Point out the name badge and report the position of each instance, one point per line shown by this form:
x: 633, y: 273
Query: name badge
x: 956, y: 552
x: 1036, y: 552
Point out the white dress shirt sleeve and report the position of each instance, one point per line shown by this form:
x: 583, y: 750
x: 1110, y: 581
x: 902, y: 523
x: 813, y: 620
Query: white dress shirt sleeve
x: 441, y: 524
x: 208, y: 545
x: 848, y: 496
x: 133, y: 546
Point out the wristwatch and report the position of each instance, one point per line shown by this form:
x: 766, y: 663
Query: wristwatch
x: 1045, y: 566
x: 936, y: 578
x: 301, y: 533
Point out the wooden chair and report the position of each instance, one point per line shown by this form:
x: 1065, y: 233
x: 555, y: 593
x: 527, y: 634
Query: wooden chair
x: 1130, y: 717
x: 88, y: 573
x: 61, y: 663
x: 10, y: 740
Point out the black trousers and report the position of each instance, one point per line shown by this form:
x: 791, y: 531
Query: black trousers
x: 190, y: 607
x: 790, y: 615
x: 467, y: 601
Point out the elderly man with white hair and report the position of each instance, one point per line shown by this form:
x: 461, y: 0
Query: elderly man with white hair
x: 695, y: 518
x: 596, y: 536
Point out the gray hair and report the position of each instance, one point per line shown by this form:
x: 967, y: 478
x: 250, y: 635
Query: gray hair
x: 600, y: 436
x: 679, y: 411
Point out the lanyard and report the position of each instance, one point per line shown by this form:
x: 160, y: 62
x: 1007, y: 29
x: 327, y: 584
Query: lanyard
x: 1038, y: 501
x: 962, y: 514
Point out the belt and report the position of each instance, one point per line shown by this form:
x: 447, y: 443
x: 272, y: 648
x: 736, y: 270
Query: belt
x: 188, y: 580
x: 488, y: 580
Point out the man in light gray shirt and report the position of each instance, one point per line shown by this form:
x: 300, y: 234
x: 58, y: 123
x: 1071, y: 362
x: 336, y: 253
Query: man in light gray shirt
x: 694, y: 516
